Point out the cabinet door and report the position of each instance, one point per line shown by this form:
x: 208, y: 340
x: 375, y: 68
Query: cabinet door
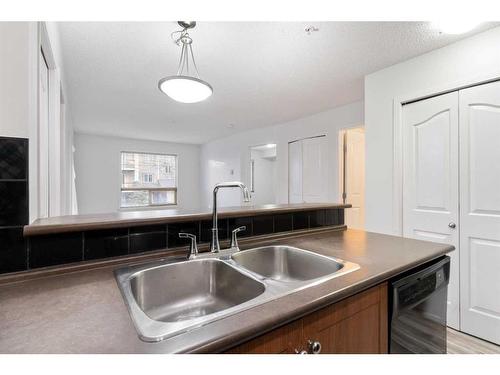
x: 356, y: 325
x: 480, y: 211
x: 283, y: 340
x: 430, y: 181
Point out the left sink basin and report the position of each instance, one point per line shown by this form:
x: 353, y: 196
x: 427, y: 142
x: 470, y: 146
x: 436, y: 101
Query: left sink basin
x: 168, y: 299
x: 188, y: 290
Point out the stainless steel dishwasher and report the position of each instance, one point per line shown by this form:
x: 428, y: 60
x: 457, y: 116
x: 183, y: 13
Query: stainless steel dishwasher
x: 418, y: 309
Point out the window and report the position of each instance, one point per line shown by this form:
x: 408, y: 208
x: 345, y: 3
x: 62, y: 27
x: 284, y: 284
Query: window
x: 148, y: 179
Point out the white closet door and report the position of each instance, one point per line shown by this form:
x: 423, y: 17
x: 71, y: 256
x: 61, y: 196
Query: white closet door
x: 480, y: 210
x: 313, y: 170
x: 295, y: 172
x: 430, y: 180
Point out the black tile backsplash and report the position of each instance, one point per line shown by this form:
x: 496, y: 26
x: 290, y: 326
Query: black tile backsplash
x: 105, y: 243
x: 332, y: 217
x: 148, y: 229
x: 263, y: 225
x: 13, y: 203
x: 237, y: 222
x: 56, y: 249
x: 300, y: 220
x: 283, y: 223
x: 340, y: 216
x: 148, y: 238
x: 175, y: 228
x: 14, y: 208
x: 49, y: 250
x: 13, y: 158
x: 148, y: 242
x: 316, y: 218
x: 12, y: 250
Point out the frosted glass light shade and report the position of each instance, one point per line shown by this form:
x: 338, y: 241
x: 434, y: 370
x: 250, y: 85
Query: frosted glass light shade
x: 455, y: 26
x: 185, y: 89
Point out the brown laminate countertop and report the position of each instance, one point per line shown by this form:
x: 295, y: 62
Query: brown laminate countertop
x: 73, y: 223
x: 83, y: 312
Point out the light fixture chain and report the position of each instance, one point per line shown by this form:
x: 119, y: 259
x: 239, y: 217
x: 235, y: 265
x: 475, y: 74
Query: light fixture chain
x: 194, y: 62
x: 181, y: 62
x: 187, y: 59
x: 186, y: 49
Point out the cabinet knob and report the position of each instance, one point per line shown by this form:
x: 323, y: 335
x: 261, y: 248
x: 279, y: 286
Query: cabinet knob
x: 314, y: 347
x: 452, y: 225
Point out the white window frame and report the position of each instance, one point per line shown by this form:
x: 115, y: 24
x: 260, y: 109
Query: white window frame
x: 150, y: 190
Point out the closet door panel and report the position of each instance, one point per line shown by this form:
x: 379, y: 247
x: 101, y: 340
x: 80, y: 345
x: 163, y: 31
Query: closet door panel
x: 480, y: 210
x: 430, y: 180
x: 295, y: 172
x: 313, y: 167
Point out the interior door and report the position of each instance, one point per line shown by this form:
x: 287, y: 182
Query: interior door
x: 480, y: 210
x: 295, y: 172
x: 354, y: 176
x: 430, y: 180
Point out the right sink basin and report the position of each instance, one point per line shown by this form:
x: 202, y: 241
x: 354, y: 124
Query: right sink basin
x: 287, y: 264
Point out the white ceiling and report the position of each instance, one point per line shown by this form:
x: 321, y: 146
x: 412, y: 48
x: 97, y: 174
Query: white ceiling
x: 262, y: 73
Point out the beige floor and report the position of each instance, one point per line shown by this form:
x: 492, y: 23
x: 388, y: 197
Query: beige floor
x: 461, y: 343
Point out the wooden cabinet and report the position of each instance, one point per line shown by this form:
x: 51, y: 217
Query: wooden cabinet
x: 283, y: 340
x: 357, y: 324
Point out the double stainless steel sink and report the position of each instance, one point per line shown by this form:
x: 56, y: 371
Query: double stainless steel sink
x: 166, y: 298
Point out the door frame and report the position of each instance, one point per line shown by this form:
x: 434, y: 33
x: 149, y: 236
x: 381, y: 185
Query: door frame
x: 397, y: 128
x: 54, y: 125
x: 340, y: 157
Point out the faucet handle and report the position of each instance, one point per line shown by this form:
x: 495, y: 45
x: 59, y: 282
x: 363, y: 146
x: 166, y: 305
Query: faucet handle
x: 193, y: 248
x: 234, y: 237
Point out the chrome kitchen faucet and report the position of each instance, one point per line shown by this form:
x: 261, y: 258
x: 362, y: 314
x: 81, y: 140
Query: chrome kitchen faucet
x: 214, y: 244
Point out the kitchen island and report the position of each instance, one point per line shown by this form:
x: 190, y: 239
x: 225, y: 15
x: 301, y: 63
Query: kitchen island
x: 82, y: 310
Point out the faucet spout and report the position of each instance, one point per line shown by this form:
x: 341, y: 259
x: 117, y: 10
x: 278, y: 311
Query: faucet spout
x: 214, y: 244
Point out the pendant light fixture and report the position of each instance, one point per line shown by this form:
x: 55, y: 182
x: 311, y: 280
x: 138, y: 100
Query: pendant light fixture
x: 185, y: 87
x: 455, y: 26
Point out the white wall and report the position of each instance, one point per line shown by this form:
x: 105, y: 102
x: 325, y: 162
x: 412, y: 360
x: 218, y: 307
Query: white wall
x: 228, y: 158
x: 98, y: 175
x: 474, y: 59
x: 14, y: 78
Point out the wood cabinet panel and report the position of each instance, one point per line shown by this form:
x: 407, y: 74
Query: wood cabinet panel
x: 282, y: 340
x: 358, y: 333
x: 357, y: 324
